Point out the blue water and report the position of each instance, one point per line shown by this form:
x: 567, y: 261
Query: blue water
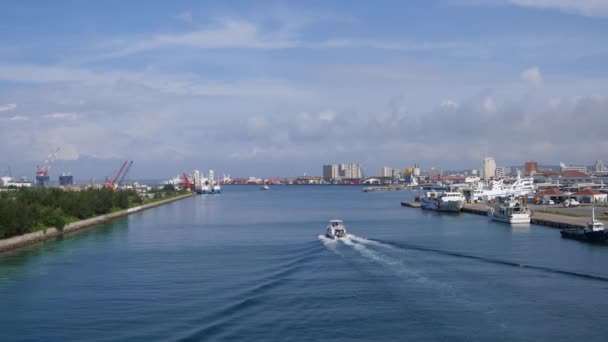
x: 250, y: 265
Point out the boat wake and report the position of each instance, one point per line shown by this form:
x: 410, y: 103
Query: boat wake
x: 404, y: 246
x: 390, y: 258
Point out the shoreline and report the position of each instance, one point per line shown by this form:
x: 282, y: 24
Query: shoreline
x: 17, y: 242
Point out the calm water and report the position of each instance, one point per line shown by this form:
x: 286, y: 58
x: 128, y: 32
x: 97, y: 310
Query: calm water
x: 250, y: 265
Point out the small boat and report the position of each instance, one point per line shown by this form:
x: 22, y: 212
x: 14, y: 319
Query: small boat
x: 509, y: 210
x: 594, y: 232
x: 336, y: 230
x: 264, y: 187
x: 443, y: 201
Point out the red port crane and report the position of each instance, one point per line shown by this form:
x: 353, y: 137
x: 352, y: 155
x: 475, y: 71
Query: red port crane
x: 124, y: 174
x: 112, y: 183
x: 43, y: 170
x: 185, y: 183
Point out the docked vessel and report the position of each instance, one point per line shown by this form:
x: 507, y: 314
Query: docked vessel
x: 594, y: 232
x: 509, y: 210
x: 336, y: 230
x: 523, y: 186
x: 443, y: 201
x: 209, y: 185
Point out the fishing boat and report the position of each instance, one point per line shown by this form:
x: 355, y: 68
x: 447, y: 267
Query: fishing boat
x: 336, y: 230
x: 443, y: 201
x: 594, y: 232
x: 509, y: 210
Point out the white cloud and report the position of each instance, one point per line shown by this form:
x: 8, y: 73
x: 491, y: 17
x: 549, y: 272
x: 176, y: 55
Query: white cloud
x: 172, y: 84
x: 591, y: 8
x: 532, y: 76
x: 489, y: 104
x: 16, y: 118
x: 185, y: 16
x: 327, y: 115
x: 61, y: 116
x: 228, y: 33
x: 449, y: 104
x: 8, y: 107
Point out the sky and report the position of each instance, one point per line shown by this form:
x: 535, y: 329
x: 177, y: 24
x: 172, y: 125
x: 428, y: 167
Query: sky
x: 279, y: 88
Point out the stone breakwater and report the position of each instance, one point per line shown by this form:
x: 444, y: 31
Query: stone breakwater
x: 49, y: 233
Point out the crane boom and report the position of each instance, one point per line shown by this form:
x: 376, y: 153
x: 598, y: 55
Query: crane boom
x: 112, y: 183
x: 124, y: 174
x: 43, y: 170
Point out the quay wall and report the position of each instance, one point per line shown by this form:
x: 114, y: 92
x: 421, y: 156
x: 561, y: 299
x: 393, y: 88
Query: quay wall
x: 49, y: 233
x: 544, y: 219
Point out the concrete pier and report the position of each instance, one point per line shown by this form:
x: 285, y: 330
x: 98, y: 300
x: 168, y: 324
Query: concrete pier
x: 411, y: 204
x: 544, y: 219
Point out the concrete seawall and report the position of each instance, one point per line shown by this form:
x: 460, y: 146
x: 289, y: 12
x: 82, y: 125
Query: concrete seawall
x: 49, y: 233
x: 539, y: 218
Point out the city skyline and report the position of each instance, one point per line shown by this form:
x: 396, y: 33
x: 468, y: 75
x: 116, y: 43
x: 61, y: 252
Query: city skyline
x: 279, y: 88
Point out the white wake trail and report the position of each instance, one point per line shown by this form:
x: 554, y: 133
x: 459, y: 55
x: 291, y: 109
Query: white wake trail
x: 331, y: 244
x: 365, y: 241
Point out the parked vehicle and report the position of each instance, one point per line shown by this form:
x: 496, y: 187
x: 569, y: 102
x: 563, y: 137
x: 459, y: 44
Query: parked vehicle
x: 549, y: 202
x: 571, y: 203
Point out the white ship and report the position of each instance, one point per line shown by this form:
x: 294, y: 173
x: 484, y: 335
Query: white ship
x: 497, y: 189
x: 336, y: 230
x: 443, y: 201
x: 522, y: 187
x: 509, y: 210
x: 483, y: 190
x: 208, y: 185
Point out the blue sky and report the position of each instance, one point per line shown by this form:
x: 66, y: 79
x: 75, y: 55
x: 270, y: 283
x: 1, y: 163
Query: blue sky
x: 280, y: 88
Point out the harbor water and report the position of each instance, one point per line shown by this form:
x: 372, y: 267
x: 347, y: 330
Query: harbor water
x: 251, y: 265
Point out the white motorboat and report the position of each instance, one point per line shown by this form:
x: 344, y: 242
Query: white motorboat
x: 443, y: 201
x: 508, y: 210
x: 264, y: 187
x: 336, y: 230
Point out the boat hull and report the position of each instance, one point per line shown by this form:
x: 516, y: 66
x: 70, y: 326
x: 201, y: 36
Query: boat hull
x: 584, y: 235
x: 439, y: 205
x: 511, y: 219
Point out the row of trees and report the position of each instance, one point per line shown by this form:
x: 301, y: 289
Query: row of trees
x: 28, y: 210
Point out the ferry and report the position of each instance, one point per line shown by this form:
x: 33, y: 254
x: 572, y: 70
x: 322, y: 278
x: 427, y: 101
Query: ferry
x: 336, y: 230
x: 594, y: 232
x: 509, y: 210
x: 443, y: 201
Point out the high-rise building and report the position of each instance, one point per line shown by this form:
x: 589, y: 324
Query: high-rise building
x: 330, y: 172
x: 386, y: 171
x: 500, y: 172
x: 42, y: 180
x: 66, y: 179
x: 530, y: 168
x: 416, y: 171
x: 489, y: 167
x: 563, y: 167
x: 600, y: 167
x: 351, y: 171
